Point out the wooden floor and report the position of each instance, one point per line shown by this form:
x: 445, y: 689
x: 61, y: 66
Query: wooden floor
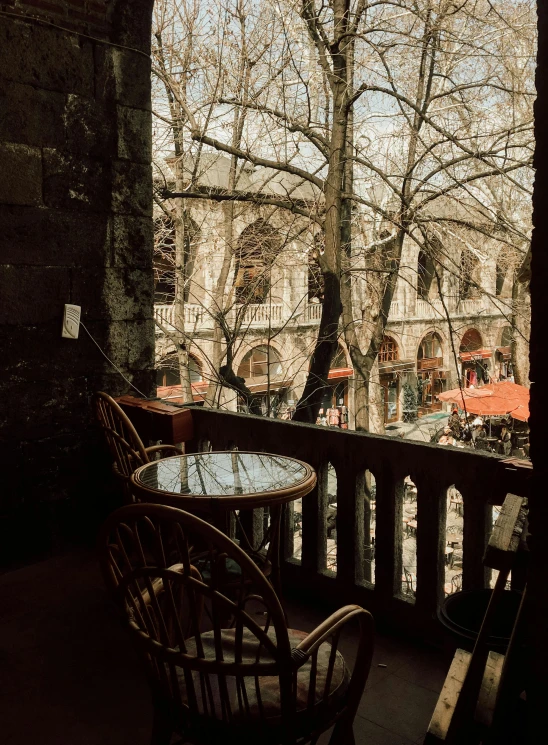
x: 68, y: 675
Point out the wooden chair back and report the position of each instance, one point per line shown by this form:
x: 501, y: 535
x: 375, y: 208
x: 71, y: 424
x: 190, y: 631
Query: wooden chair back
x: 125, y: 445
x: 203, y: 635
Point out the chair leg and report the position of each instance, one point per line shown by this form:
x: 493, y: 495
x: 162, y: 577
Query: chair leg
x: 161, y: 729
x: 343, y: 734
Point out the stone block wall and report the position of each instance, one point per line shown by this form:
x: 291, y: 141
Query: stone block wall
x: 75, y: 227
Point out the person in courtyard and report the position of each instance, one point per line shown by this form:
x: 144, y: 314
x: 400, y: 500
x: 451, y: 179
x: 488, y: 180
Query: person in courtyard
x: 447, y: 437
x: 477, y: 423
x: 454, y: 424
x: 504, y: 443
x: 481, y: 438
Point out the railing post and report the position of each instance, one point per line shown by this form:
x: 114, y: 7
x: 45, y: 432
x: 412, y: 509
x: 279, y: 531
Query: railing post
x: 350, y: 528
x: 431, y: 518
x: 478, y: 518
x: 388, y: 533
x: 314, y: 506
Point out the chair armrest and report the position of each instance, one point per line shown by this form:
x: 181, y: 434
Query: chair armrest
x: 364, y: 653
x: 330, y: 626
x: 170, y: 449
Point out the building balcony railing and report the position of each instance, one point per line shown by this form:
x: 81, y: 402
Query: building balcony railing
x: 431, y: 308
x: 262, y: 315
x: 195, y: 316
x: 396, y: 310
x: 429, y: 363
x: 471, y: 306
x: 257, y: 315
x: 481, y: 479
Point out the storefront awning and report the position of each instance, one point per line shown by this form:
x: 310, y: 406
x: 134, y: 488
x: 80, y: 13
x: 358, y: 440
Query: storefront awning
x: 340, y: 372
x: 505, y: 352
x: 396, y: 366
x: 478, y: 354
x: 262, y: 384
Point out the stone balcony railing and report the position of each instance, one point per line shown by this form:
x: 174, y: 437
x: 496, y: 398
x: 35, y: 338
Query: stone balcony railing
x: 431, y: 308
x: 481, y: 479
x: 195, y: 317
x: 255, y: 316
x: 471, y: 306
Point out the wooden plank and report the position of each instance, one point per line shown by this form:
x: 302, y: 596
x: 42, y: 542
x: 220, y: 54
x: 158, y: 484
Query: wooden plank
x: 487, y: 698
x: 506, y: 534
x: 445, y: 708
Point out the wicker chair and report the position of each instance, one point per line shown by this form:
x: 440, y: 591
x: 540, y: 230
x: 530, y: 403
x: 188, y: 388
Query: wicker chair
x: 222, y: 664
x: 126, y: 447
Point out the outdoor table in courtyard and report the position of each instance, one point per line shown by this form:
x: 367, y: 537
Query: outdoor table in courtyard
x: 215, y: 484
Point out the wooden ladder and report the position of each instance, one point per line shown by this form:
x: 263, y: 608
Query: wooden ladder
x: 479, y: 686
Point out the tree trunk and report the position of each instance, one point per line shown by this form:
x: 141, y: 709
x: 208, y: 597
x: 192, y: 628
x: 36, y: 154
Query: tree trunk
x: 180, y: 277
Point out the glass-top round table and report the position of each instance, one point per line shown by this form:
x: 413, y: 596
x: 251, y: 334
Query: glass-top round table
x: 224, y: 480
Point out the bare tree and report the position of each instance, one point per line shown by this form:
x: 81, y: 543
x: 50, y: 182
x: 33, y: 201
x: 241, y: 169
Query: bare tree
x: 410, y: 120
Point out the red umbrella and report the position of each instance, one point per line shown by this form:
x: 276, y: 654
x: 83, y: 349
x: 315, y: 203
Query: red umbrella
x: 493, y: 399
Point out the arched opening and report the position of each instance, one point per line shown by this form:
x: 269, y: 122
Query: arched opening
x: 471, y: 341
x: 257, y: 247
x: 503, y: 358
x: 167, y: 371
x: 508, y: 261
x: 164, y: 260
x: 165, y: 256
x: 431, y: 377
x: 260, y: 361
x: 262, y: 371
x: 427, y: 284
x: 390, y: 381
x: 474, y: 359
x: 469, y: 279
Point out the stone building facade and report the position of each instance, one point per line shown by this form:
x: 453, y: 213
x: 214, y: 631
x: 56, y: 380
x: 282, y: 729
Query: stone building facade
x: 448, y: 320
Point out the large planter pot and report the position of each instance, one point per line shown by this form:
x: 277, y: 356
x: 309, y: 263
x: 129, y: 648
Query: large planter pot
x: 462, y: 615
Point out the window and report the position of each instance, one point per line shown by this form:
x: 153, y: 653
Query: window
x: 388, y: 351
x: 167, y: 373
x: 258, y: 246
x: 165, y: 257
x: 427, y: 283
x: 260, y: 361
x: 506, y: 337
x: 430, y: 347
x: 471, y: 341
x: 469, y: 285
x: 339, y: 359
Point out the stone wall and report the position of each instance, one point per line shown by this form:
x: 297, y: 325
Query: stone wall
x: 75, y: 227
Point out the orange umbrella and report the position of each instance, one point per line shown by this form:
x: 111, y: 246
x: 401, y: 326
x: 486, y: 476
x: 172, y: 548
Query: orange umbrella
x: 493, y: 399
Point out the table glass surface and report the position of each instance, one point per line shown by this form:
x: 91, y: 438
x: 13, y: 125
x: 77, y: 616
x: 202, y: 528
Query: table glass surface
x: 224, y: 473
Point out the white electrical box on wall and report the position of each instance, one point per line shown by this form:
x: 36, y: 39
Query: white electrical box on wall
x: 71, y: 321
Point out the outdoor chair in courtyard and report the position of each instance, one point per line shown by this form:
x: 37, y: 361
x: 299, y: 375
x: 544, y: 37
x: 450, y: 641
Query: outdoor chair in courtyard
x: 125, y: 445
x: 222, y: 664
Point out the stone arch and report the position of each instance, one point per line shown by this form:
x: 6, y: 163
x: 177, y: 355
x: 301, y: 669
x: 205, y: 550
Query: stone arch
x: 430, y: 345
x: 389, y: 349
x: 251, y: 344
x: 167, y: 370
x: 469, y: 276
x: 261, y: 360
x: 471, y: 341
x: 165, y: 247
x: 341, y: 358
x: 256, y: 250
x: 505, y: 336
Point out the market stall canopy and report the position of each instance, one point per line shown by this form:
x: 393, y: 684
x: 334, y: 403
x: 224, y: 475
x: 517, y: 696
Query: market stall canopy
x: 493, y: 399
x: 479, y: 354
